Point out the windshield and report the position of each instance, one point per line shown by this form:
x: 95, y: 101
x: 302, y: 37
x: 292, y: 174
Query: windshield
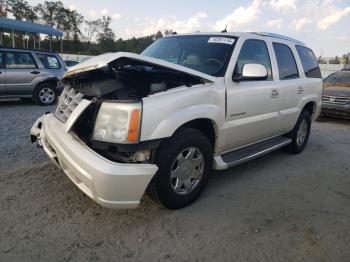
x: 207, y: 54
x: 338, y: 79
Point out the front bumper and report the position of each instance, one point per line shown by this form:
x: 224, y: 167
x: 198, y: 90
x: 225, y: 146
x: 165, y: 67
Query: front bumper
x: 111, y: 184
x: 335, y: 107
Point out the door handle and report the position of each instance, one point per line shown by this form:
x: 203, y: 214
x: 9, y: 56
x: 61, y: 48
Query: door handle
x: 300, y: 90
x: 274, y: 93
x: 35, y: 72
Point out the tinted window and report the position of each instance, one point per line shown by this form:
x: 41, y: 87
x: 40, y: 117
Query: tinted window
x: 254, y: 52
x: 287, y: 67
x: 18, y: 60
x: 1, y: 60
x: 309, y: 62
x: 49, y: 61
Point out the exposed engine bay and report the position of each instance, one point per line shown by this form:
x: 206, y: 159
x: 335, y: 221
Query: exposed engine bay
x: 126, y: 79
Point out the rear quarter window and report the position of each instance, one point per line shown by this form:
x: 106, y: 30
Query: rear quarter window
x: 49, y: 61
x: 309, y: 62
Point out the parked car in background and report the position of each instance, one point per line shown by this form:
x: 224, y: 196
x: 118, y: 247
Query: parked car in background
x: 346, y: 67
x: 30, y: 74
x: 161, y: 120
x: 336, y: 95
x: 70, y: 63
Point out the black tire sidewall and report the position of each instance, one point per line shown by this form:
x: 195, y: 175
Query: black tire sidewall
x: 37, y: 91
x: 164, y: 160
x: 294, y: 147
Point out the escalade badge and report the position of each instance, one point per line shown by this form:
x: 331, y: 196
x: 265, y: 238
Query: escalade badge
x: 332, y: 99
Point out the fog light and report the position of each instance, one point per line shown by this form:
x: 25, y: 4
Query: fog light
x: 143, y: 155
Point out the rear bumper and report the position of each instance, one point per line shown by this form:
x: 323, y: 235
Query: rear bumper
x: 111, y: 184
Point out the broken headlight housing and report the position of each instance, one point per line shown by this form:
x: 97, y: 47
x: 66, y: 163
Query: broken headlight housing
x: 118, y: 122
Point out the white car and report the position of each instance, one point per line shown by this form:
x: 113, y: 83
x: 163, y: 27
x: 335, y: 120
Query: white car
x: 187, y: 104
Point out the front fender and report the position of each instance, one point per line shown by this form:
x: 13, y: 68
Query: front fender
x: 164, y: 114
x: 172, y: 122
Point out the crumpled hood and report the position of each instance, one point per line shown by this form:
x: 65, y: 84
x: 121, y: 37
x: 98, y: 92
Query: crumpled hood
x: 337, y: 91
x: 104, y: 59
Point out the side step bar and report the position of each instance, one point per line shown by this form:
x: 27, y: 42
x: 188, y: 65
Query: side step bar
x: 245, y: 154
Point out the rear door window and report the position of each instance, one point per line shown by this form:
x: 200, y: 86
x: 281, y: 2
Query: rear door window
x: 287, y: 66
x: 309, y: 62
x: 19, y: 60
x: 49, y: 61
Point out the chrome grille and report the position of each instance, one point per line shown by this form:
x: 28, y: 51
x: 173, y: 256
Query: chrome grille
x: 69, y: 100
x: 339, y: 100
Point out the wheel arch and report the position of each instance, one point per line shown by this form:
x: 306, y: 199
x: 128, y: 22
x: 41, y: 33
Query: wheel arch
x: 51, y: 80
x: 204, y: 125
x: 310, y: 107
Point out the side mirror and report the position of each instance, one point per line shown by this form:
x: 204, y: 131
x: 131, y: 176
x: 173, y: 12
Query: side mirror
x: 252, y: 72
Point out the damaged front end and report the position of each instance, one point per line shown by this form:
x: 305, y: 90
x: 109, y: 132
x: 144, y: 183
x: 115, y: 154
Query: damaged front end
x: 101, y: 104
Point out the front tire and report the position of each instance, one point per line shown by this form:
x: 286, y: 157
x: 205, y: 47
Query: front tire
x: 184, y: 163
x: 45, y: 94
x: 300, y: 133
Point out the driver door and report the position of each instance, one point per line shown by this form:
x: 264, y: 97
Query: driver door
x: 252, y: 105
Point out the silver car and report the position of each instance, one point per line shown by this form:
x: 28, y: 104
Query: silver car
x: 30, y: 74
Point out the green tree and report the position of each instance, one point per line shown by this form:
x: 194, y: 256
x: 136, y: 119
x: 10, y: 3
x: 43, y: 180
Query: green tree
x: 345, y: 59
x: 92, y: 28
x: 158, y: 35
x: 21, y: 10
x: 106, y: 33
x: 51, y: 13
x: 3, y: 8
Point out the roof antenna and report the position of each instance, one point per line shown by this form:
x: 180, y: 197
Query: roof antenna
x: 225, y: 30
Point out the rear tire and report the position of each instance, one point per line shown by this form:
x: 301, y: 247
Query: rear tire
x: 184, y: 163
x: 300, y: 133
x: 45, y: 94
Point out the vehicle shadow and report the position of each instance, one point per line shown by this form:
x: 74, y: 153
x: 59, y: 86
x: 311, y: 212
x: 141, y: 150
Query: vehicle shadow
x: 338, y: 120
x: 19, y: 102
x: 16, y: 102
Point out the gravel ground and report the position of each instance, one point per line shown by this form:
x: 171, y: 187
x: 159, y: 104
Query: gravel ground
x: 276, y: 208
x: 16, y: 119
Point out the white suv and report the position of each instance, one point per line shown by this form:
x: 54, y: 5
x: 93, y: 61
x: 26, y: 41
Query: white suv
x: 189, y: 103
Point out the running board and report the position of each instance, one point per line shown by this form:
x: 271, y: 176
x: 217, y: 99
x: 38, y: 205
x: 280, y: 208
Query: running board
x: 245, y: 154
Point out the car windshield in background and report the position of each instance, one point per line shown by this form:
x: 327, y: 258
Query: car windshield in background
x: 71, y: 62
x: 338, y: 79
x: 207, y: 54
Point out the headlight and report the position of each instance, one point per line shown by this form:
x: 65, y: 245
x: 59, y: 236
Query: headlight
x: 118, y: 122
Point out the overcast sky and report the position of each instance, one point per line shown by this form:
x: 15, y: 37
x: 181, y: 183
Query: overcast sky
x: 324, y: 25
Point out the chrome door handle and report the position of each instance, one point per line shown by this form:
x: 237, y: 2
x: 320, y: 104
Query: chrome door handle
x: 274, y: 93
x: 300, y: 90
x: 35, y: 72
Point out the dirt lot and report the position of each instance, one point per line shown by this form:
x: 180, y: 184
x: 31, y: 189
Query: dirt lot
x: 276, y: 208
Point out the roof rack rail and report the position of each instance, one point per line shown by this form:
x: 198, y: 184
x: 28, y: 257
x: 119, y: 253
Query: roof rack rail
x: 27, y: 49
x: 279, y: 36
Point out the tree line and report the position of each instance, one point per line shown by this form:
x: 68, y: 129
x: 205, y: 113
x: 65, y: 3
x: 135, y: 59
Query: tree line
x: 81, y: 36
x: 335, y: 60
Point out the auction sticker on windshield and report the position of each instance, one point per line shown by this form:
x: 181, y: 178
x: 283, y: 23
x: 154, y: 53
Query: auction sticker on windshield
x: 221, y: 40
